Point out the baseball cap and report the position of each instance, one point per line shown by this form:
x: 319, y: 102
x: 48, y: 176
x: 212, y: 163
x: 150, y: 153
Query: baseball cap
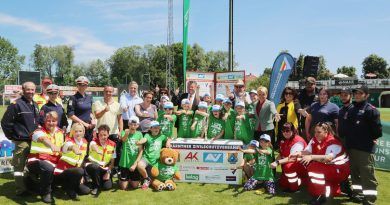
x: 206, y: 94
x: 216, y: 108
x: 168, y: 105
x: 154, y: 124
x: 133, y: 119
x: 82, y: 80
x: 253, y: 91
x: 227, y: 100
x: 202, y: 104
x: 265, y: 137
x: 311, y: 80
x: 52, y: 88
x: 240, y: 103
x: 185, y: 101
x: 361, y: 88
x: 220, y: 97
x: 346, y: 90
x: 254, y: 143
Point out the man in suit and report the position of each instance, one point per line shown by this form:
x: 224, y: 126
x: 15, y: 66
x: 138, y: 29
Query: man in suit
x: 192, y: 95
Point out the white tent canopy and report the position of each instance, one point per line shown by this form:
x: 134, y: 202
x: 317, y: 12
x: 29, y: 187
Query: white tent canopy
x: 340, y: 75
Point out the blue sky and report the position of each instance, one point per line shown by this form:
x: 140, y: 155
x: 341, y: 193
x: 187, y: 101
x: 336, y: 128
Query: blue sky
x: 343, y: 31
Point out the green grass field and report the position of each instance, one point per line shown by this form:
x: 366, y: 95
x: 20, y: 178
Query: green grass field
x: 190, y: 193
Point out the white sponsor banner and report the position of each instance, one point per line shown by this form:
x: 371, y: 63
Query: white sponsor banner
x: 227, y: 79
x: 205, y: 81
x: 204, y: 161
x: 12, y: 89
x: 6, y: 148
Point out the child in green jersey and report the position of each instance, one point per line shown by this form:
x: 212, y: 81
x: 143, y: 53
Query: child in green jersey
x: 263, y: 174
x: 153, y: 143
x: 131, y: 155
x: 199, y: 125
x: 216, y: 126
x: 167, y: 120
x: 229, y: 116
x: 249, y: 160
x: 185, y: 119
x: 242, y: 130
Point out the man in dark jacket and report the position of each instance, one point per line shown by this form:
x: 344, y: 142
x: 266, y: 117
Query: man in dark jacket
x: 19, y: 121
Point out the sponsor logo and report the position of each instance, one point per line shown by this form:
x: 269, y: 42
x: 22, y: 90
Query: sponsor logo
x: 192, y: 177
x: 212, y: 177
x: 231, y: 178
x: 213, y: 157
x: 232, y: 158
x: 203, y: 168
x: 192, y: 157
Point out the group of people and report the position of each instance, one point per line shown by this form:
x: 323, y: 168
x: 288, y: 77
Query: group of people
x: 319, y: 144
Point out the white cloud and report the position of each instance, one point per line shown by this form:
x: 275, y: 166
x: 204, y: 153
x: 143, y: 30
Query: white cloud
x: 87, y: 46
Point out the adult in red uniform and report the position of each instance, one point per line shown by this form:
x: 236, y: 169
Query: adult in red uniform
x: 327, y: 163
x: 293, y: 173
x: 44, y: 154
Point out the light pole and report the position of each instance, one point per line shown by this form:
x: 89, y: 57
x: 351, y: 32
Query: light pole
x: 230, y: 35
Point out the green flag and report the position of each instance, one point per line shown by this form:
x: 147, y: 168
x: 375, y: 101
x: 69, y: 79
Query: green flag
x: 186, y: 15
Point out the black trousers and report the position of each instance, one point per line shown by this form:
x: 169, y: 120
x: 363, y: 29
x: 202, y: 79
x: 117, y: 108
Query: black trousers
x: 96, y: 173
x: 70, y: 180
x: 44, y: 170
x: 118, y: 148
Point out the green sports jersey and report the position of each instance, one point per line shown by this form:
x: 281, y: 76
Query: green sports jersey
x: 167, y: 125
x: 153, y: 147
x: 215, y: 127
x: 248, y: 157
x: 129, y: 149
x: 166, y: 172
x: 229, y: 124
x: 185, y: 122
x: 252, y: 120
x: 262, y: 166
x: 200, y: 124
x: 242, y: 130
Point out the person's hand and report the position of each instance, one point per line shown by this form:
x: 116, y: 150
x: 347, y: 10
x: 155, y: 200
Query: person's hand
x: 277, y: 117
x: 224, y: 118
x: 54, y: 148
x: 192, y: 127
x: 303, y: 112
x: 168, y: 145
x: 107, y: 109
x: 177, y: 91
x: 76, y: 150
x: 308, y: 137
x: 306, y: 159
x: 106, y: 176
x: 133, y: 167
x: 294, y: 156
x: 231, y: 95
x: 274, y: 165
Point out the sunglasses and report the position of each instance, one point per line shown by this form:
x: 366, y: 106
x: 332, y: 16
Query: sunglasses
x: 168, y: 108
x: 81, y: 84
x: 284, y: 131
x: 163, y: 93
x: 239, y: 86
x: 288, y: 93
x: 52, y: 93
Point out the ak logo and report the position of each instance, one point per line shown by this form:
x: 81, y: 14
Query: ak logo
x: 213, y: 157
x: 192, y: 177
x: 192, y: 156
x: 232, y: 158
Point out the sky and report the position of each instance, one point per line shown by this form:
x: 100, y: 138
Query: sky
x: 343, y: 31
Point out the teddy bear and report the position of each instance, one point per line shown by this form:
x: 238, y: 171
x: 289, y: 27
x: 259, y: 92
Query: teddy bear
x: 166, y: 170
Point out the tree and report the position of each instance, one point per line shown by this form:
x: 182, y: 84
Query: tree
x: 97, y: 73
x: 10, y: 62
x: 347, y: 70
x: 323, y: 72
x: 262, y: 80
x: 375, y: 64
x: 55, y: 62
x: 298, y: 72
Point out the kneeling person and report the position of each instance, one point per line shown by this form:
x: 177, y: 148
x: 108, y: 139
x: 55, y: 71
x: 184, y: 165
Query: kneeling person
x: 101, y: 160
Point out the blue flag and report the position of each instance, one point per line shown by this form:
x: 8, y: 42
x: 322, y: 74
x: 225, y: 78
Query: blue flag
x: 281, y: 70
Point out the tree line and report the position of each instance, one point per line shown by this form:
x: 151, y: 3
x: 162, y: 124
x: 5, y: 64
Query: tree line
x: 146, y: 65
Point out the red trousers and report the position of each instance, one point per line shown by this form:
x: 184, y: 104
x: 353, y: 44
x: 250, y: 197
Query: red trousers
x: 324, y: 179
x: 293, y: 175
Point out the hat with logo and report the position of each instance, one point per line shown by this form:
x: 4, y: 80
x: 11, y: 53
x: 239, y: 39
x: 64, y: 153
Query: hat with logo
x: 185, y: 102
x: 133, y: 119
x: 168, y: 105
x: 265, y: 137
x: 220, y: 97
x: 202, y: 104
x: 82, y: 80
x: 254, y: 143
x: 154, y: 124
x: 346, y: 90
x: 216, y: 108
x: 52, y: 88
x: 240, y: 103
x: 361, y: 88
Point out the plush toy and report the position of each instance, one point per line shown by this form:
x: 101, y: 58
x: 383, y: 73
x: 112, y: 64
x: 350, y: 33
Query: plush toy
x: 166, y: 170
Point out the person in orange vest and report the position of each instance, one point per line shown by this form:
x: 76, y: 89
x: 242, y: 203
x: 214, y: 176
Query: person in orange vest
x: 69, y: 172
x: 101, y: 161
x: 327, y: 163
x: 42, y: 98
x: 44, y: 154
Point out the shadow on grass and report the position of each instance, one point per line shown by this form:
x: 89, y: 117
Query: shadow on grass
x: 8, y: 191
